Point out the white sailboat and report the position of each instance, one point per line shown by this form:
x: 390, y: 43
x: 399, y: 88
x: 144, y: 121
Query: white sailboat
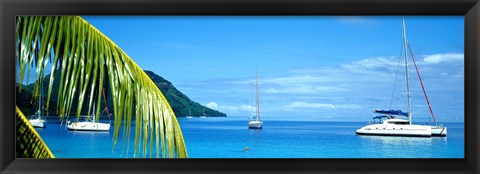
x: 89, y: 124
x: 255, y: 122
x: 203, y: 116
x: 190, y: 115
x: 36, y: 120
x: 393, y: 122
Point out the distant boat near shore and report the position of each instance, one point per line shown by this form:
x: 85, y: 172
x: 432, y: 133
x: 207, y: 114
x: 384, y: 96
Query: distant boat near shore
x: 190, y: 114
x: 203, y: 116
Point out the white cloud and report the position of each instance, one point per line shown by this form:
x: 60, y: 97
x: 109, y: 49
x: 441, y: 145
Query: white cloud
x: 321, y: 105
x: 226, y: 108
x: 238, y: 108
x: 309, y: 105
x: 348, y: 106
x: 297, y: 80
x: 243, y: 82
x: 303, y: 89
x: 287, y: 80
x: 445, y: 57
x: 372, y: 65
x: 212, y: 105
x: 364, y: 77
x: 301, y: 84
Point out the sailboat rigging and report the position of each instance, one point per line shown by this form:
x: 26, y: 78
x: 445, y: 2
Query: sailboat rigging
x: 255, y: 122
x: 392, y: 122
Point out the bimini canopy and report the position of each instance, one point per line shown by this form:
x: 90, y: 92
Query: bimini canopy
x: 391, y: 112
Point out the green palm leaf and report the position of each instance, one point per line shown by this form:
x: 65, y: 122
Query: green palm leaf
x: 89, y: 61
x: 29, y: 143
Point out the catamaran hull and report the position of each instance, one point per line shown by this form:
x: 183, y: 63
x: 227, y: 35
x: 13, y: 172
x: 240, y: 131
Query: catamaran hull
x: 439, y: 131
x: 37, y: 123
x: 255, y: 125
x: 398, y: 134
x: 395, y: 130
x: 88, y: 126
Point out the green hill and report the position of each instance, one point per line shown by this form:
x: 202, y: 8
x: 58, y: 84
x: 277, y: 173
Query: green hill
x: 179, y: 102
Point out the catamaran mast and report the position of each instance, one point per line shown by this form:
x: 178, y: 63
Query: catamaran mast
x: 406, y: 69
x: 256, y: 92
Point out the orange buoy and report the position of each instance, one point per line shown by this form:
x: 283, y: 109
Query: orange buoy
x: 246, y: 148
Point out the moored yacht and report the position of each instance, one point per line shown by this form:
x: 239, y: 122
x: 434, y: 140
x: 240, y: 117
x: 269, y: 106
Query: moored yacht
x: 89, y: 124
x: 255, y: 122
x: 36, y: 120
x: 390, y: 125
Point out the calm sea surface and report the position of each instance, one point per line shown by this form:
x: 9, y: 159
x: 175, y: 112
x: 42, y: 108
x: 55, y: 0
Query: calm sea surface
x: 228, y: 138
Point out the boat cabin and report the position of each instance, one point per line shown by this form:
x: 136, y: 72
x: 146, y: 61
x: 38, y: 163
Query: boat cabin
x: 379, y: 119
x: 397, y: 121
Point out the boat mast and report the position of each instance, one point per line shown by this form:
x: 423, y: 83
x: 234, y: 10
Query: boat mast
x: 406, y: 69
x: 40, y: 99
x: 94, y: 113
x: 256, y: 93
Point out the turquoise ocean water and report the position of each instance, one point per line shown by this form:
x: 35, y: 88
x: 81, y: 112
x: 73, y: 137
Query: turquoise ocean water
x: 227, y: 138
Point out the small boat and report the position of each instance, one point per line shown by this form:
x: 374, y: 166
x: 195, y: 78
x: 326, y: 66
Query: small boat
x: 396, y: 122
x: 37, y: 122
x: 190, y: 116
x: 203, y: 116
x: 255, y: 122
x: 89, y: 124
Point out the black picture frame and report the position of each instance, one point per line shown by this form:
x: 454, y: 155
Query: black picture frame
x: 10, y: 8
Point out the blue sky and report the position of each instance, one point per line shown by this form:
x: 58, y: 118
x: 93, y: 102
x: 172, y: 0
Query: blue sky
x: 310, y: 68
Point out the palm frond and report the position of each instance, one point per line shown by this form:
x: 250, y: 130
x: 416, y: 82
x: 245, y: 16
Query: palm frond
x: 89, y: 61
x: 29, y: 143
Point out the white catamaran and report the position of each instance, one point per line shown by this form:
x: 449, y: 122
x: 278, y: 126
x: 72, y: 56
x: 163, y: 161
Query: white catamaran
x: 393, y: 122
x: 255, y: 122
